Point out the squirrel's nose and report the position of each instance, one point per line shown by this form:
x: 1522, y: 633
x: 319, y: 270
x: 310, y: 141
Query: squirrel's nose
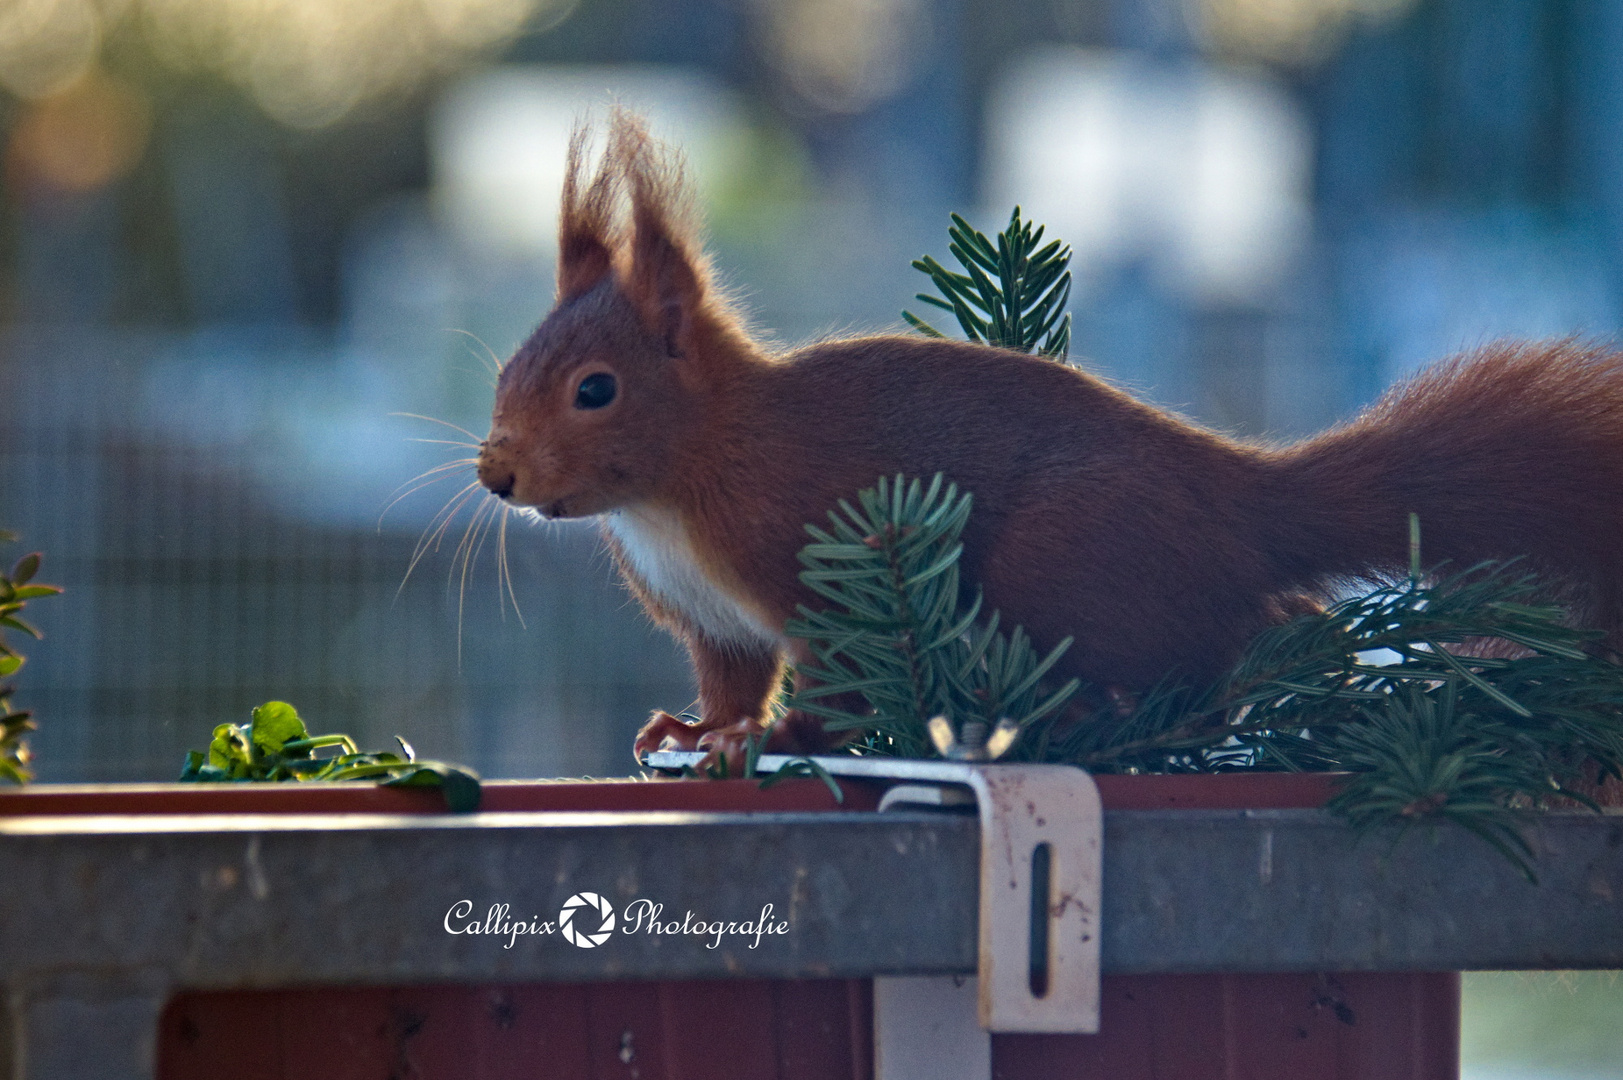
x: 499, y: 482
x: 495, y: 478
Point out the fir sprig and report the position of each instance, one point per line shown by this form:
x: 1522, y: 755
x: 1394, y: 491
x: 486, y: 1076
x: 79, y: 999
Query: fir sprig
x: 1449, y: 695
x: 1024, y: 308
x: 1455, y: 696
x: 897, y: 631
x: 1420, y: 755
x: 1478, y: 632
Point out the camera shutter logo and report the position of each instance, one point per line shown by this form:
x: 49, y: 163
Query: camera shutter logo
x: 581, y: 935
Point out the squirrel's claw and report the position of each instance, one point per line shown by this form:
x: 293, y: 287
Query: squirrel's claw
x: 730, y: 742
x: 718, y: 741
x: 666, y: 732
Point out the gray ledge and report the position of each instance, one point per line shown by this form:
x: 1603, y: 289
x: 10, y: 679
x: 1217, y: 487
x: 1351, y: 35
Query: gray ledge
x: 261, y: 901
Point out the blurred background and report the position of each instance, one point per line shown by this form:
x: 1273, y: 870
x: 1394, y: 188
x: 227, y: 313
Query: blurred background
x: 259, y: 257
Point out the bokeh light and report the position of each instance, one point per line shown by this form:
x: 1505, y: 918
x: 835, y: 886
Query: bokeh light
x: 306, y: 62
x: 842, y: 56
x: 1202, y: 172
x: 46, y: 44
x: 1286, y: 31
x: 81, y: 138
x: 498, y: 141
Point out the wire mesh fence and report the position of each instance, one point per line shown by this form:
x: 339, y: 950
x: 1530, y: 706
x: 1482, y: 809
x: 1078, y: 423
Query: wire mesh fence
x: 196, y: 589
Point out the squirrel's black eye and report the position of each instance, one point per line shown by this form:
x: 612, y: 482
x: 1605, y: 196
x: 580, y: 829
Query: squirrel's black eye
x: 595, y: 391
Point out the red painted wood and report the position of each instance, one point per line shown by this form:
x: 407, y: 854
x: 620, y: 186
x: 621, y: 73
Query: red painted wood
x: 1209, y: 792
x: 1196, y: 791
x: 1217, y: 791
x: 1368, y: 1026
x: 499, y: 795
x: 743, y: 1030
x: 198, y: 1033
x: 1156, y: 1027
x: 693, y: 1013
x: 823, y: 1027
x: 625, y: 1032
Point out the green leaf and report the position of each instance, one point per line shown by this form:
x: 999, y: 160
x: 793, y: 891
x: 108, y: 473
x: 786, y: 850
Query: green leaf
x: 17, y: 624
x: 276, y: 723
x: 276, y: 746
x: 462, y: 791
x: 26, y: 568
x: 229, y: 748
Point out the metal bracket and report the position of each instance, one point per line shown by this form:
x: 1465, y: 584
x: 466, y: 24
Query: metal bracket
x: 1041, y: 852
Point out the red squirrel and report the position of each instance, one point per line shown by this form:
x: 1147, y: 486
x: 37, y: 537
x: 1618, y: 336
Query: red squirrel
x: 1162, y: 547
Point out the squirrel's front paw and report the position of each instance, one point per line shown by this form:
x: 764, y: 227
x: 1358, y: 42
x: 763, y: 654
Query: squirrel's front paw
x: 665, y: 732
x: 727, y: 745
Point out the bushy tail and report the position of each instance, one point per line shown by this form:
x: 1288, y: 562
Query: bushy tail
x: 1515, y: 449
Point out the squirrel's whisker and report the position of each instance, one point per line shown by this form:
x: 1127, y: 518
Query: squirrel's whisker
x: 504, y: 571
x: 448, y: 442
x: 468, y: 549
x: 429, y: 540
x: 422, y: 480
x: 490, y: 354
x: 444, y: 423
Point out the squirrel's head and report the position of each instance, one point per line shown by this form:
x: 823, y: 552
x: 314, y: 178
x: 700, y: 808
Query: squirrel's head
x: 591, y: 410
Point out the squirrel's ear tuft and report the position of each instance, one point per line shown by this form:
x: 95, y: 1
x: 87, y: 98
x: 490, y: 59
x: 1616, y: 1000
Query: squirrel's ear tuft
x: 586, y: 227
x: 669, y: 278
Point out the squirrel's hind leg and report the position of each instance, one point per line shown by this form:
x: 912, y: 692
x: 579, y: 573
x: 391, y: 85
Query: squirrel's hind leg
x: 800, y: 733
x: 736, y: 683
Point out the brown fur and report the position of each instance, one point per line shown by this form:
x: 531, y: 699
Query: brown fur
x: 1163, y: 548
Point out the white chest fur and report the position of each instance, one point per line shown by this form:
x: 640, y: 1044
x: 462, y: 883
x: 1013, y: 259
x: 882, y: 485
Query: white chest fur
x: 660, y: 552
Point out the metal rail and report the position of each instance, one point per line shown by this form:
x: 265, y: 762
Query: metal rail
x: 102, y: 918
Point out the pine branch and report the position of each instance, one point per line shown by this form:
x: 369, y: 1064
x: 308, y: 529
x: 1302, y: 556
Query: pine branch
x: 1023, y: 309
x: 1389, y: 686
x: 896, y: 630
x: 1438, y: 731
